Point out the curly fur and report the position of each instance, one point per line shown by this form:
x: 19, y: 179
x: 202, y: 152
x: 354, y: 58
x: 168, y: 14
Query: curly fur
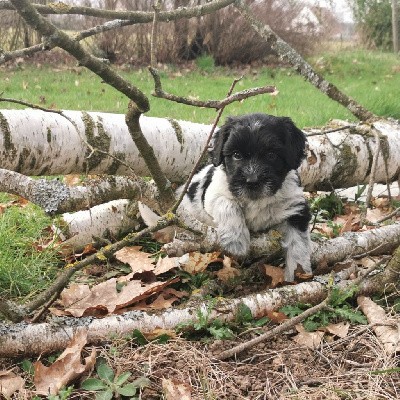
x: 253, y: 185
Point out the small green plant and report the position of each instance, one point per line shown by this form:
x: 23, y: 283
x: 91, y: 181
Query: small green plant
x: 109, y: 385
x: 339, y: 308
x: 63, y: 394
x: 194, y: 281
x: 336, y: 228
x: 360, y: 192
x: 326, y: 206
x: 203, y: 326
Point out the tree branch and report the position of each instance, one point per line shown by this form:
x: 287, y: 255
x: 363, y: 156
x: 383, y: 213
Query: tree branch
x: 217, y: 104
x: 135, y: 17
x: 288, y: 54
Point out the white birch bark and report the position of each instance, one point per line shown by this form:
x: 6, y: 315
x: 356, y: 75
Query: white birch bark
x: 110, y: 219
x: 34, y: 142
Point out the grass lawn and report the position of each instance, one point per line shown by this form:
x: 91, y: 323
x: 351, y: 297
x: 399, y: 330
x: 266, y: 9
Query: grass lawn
x: 372, y: 78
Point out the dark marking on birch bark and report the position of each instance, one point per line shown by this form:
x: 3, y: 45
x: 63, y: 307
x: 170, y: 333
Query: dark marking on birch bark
x: 346, y: 166
x: 10, y: 150
x: 100, y: 141
x: 178, y: 131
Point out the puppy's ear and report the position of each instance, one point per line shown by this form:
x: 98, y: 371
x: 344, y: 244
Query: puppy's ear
x: 295, y: 144
x: 220, y: 138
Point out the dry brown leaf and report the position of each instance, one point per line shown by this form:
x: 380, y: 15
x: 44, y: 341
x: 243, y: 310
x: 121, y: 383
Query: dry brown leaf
x: 381, y: 202
x: 72, y: 180
x: 138, y: 260
x: 158, y: 332
x: 195, y: 262
x: 163, y: 301
x: 10, y: 383
x: 277, y: 316
x: 165, y: 264
x: 367, y: 262
x: 387, y: 330
x: 374, y: 215
x: 340, y: 330
x: 276, y: 275
x: 228, y: 272
x: 168, y: 234
x: 174, y: 390
x: 309, y: 339
x: 348, y: 224
x: 67, y: 367
x: 80, y: 300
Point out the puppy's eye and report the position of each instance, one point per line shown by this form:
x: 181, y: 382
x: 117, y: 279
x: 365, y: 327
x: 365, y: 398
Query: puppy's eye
x: 237, y: 156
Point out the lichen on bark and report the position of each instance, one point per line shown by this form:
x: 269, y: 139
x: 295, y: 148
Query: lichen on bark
x: 99, y: 141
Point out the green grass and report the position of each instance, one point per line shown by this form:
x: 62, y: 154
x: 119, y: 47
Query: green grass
x: 372, y: 78
x: 23, y: 269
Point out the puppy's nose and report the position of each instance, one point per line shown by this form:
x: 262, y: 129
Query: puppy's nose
x: 251, y: 178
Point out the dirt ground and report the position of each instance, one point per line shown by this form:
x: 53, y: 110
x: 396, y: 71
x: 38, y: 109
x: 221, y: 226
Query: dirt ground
x: 354, y: 367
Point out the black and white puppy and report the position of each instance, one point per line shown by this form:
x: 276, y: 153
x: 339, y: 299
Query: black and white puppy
x: 253, y: 185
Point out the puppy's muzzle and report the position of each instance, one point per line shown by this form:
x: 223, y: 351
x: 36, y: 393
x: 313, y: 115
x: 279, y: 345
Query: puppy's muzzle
x: 251, y: 178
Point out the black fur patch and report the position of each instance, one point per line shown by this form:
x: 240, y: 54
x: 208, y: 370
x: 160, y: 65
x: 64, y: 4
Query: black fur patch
x: 207, y: 181
x: 192, y: 190
x: 301, y: 220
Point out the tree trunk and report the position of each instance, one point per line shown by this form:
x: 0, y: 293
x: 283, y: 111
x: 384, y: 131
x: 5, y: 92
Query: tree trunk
x: 34, y: 142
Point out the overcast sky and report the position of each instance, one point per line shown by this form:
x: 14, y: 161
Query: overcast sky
x: 339, y: 7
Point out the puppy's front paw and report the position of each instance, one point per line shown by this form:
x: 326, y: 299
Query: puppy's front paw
x: 234, y: 241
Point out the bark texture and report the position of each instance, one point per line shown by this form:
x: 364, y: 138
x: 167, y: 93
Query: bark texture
x: 55, y: 197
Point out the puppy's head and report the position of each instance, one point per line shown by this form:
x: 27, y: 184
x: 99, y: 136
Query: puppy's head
x: 257, y: 151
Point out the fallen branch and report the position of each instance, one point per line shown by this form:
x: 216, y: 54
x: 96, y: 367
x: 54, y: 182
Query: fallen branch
x: 55, y: 197
x: 37, y: 143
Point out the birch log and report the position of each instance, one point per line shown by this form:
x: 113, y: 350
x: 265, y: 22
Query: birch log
x: 34, y: 142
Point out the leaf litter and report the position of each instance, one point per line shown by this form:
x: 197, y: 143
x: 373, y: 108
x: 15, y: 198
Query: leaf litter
x: 237, y: 379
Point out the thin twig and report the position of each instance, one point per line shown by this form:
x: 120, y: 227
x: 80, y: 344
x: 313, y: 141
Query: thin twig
x: 373, y: 169
x: 205, y: 149
x: 216, y: 104
x: 386, y: 217
x: 343, y: 128
x: 153, y: 40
